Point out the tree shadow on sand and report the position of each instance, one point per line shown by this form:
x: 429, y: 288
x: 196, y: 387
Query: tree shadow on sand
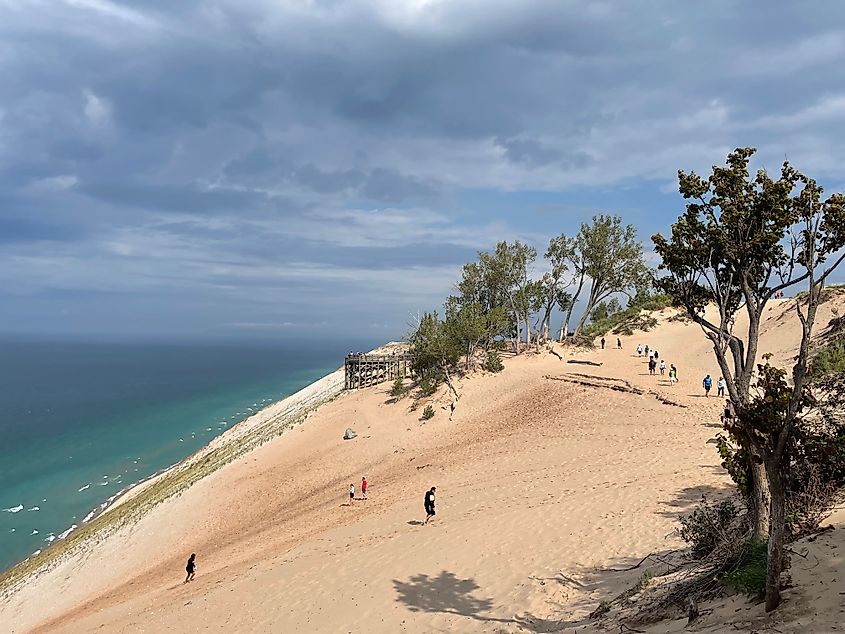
x: 446, y: 593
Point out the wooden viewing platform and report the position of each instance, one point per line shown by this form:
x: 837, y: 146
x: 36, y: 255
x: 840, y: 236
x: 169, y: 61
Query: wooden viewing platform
x: 364, y: 370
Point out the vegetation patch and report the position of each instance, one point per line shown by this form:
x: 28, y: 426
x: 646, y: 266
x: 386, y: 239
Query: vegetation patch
x: 428, y: 413
x: 493, y: 363
x: 748, y: 575
x: 706, y: 528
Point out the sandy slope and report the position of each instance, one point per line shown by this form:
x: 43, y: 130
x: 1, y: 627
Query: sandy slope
x: 542, y: 486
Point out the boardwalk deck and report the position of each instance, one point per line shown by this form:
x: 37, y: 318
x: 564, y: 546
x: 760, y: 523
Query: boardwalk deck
x: 364, y: 370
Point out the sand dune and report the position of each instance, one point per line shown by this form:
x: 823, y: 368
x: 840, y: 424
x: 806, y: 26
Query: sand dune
x: 545, y: 487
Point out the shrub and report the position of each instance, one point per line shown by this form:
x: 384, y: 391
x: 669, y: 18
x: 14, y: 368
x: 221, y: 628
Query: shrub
x: 707, y: 526
x: 493, y: 363
x: 810, y: 500
x: 428, y: 413
x: 428, y: 385
x: 829, y: 359
x: 398, y: 388
x: 748, y: 575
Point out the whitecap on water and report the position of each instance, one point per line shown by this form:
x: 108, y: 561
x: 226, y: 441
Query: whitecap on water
x: 34, y: 532
x: 81, y: 489
x: 34, y: 508
x: 67, y: 532
x: 14, y: 509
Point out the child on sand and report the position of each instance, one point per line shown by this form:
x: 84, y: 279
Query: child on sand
x: 429, y: 504
x: 364, y: 487
x: 191, y: 568
x: 351, y: 493
x: 662, y: 367
x: 707, y: 383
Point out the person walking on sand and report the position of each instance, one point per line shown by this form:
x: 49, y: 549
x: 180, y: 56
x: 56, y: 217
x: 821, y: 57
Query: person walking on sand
x: 639, y: 350
x: 707, y: 383
x: 429, y: 504
x: 646, y: 349
x: 364, y: 487
x: 618, y: 343
x: 720, y: 387
x: 602, y: 343
x: 652, y: 364
x: 351, y: 493
x: 673, y: 374
x: 656, y: 355
x: 662, y: 367
x: 191, y: 567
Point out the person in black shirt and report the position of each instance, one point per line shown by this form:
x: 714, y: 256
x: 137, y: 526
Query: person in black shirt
x: 429, y: 504
x: 191, y: 568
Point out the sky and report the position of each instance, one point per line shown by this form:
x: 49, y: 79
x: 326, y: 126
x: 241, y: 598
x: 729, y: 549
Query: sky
x: 297, y: 168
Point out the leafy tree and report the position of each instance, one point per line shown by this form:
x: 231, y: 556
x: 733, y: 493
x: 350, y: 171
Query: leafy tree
x: 433, y: 352
x: 469, y: 327
x: 505, y: 277
x: 552, y: 285
x: 741, y: 240
x: 611, y: 257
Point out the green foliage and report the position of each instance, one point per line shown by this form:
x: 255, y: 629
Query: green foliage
x: 748, y: 575
x: 428, y: 413
x: 829, y: 359
x: 735, y: 461
x: 433, y: 350
x: 611, y: 256
x: 428, y: 386
x: 493, y: 363
x: 398, y: 388
x: 707, y: 526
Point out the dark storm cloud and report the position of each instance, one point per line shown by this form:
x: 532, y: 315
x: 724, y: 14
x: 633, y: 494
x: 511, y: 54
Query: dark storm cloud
x: 220, y: 150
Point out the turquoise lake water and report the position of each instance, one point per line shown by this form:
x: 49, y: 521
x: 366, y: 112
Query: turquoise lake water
x: 81, y: 421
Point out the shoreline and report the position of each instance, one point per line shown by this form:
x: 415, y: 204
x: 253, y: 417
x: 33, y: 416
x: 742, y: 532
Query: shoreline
x: 244, y: 436
x: 281, y: 415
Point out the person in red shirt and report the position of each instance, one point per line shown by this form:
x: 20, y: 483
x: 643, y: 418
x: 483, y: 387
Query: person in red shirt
x: 364, y: 487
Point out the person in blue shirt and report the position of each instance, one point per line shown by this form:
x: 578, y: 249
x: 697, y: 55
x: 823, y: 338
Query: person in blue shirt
x: 707, y: 383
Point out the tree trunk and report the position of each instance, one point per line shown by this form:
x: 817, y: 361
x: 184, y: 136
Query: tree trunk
x: 777, y: 532
x: 760, y: 502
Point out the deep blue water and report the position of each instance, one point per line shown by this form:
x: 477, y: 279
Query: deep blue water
x: 81, y: 421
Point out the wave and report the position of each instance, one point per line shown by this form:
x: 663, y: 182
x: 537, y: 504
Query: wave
x: 34, y: 532
x: 81, y: 489
x: 34, y: 508
x: 14, y: 509
x: 67, y: 532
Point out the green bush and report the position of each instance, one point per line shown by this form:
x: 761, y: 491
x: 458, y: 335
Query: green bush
x: 398, y: 388
x: 749, y: 573
x: 428, y: 413
x: 428, y: 385
x: 829, y: 359
x: 493, y: 363
x: 706, y: 527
